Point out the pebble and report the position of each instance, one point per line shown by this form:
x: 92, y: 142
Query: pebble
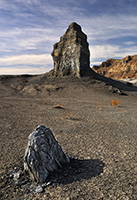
x: 46, y: 184
x: 39, y: 189
x: 16, y: 176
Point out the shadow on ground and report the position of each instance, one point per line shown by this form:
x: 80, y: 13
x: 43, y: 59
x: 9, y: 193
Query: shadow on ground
x: 115, y: 83
x: 77, y: 170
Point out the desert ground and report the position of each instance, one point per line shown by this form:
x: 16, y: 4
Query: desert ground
x: 95, y: 125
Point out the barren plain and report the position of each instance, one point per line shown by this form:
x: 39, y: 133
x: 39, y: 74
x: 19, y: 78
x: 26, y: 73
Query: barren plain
x: 99, y: 136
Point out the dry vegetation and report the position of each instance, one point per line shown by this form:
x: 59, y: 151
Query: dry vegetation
x: 68, y: 115
x: 114, y: 102
x: 58, y: 106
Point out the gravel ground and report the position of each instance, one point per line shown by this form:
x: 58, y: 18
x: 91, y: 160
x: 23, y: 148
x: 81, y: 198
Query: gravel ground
x: 100, y: 138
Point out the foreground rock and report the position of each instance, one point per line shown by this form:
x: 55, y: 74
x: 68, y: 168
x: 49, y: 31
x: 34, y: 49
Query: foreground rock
x: 118, y: 69
x: 43, y: 154
x: 71, y: 54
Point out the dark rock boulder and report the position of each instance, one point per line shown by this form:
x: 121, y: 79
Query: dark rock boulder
x: 71, y: 54
x: 43, y: 154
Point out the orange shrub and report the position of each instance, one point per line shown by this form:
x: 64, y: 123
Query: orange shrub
x: 58, y: 106
x: 68, y: 115
x: 114, y: 102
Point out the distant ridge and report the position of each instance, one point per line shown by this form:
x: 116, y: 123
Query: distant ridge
x: 118, y: 68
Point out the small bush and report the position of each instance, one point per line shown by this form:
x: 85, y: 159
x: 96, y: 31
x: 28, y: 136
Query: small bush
x: 114, y: 102
x: 58, y: 106
x: 68, y: 115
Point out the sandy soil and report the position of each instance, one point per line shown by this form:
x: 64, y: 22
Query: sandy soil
x: 102, y: 138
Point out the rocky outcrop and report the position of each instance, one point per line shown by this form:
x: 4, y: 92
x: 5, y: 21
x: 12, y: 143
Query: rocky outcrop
x: 118, y: 69
x: 43, y: 154
x: 71, y: 54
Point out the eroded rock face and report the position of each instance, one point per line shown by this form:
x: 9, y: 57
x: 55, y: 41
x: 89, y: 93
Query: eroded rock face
x: 71, y: 54
x: 118, y: 68
x: 43, y: 154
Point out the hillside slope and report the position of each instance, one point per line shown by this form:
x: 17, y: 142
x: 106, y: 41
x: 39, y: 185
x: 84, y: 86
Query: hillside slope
x: 118, y: 68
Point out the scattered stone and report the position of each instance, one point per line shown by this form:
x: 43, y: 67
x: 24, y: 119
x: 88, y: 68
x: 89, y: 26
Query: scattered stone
x: 39, y: 189
x: 17, y: 175
x: 116, y: 90
x: 46, y: 184
x: 71, y: 54
x: 43, y: 154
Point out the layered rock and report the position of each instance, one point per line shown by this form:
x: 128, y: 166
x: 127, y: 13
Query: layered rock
x: 43, y: 154
x: 71, y: 54
x: 118, y: 68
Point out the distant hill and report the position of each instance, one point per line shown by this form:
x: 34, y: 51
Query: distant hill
x: 118, y: 68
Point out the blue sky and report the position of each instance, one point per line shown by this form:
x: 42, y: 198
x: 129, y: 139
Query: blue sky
x: 29, y: 28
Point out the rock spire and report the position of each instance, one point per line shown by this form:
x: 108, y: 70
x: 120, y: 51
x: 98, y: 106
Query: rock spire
x: 71, y: 54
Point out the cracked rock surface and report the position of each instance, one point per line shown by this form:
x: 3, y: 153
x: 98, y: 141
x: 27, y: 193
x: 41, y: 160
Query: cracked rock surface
x: 71, y: 54
x: 43, y: 154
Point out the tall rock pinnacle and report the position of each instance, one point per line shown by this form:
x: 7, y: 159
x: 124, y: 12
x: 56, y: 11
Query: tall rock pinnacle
x: 71, y: 54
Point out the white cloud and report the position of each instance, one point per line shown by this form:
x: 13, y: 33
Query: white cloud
x: 130, y: 43
x: 103, y: 51
x: 26, y: 64
x: 49, y: 22
x: 7, y: 5
x: 107, y: 27
x: 110, y: 51
x: 26, y: 60
x: 94, y: 63
x: 23, y: 39
x: 23, y: 70
x: 27, y: 1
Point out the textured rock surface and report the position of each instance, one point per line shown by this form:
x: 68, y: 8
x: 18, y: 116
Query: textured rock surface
x: 116, y: 68
x: 88, y: 128
x: 43, y: 154
x: 71, y: 54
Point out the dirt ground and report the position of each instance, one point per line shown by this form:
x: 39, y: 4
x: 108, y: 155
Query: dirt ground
x: 100, y: 136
